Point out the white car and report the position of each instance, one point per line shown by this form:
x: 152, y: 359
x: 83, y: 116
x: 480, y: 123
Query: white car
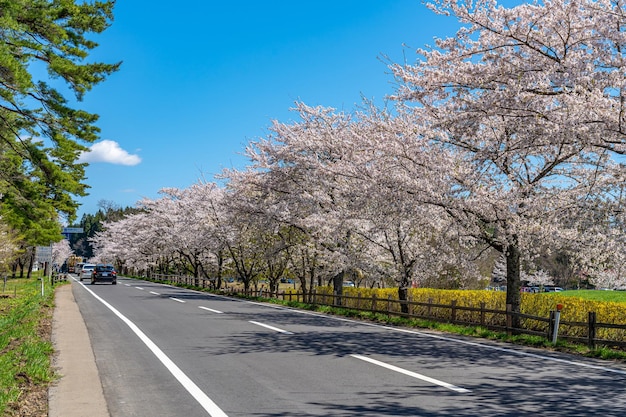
x: 86, y: 271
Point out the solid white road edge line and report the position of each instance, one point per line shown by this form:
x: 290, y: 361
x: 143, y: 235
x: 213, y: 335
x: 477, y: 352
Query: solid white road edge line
x: 206, y: 403
x: 176, y: 299
x: 211, y: 310
x: 270, y: 327
x: 413, y: 374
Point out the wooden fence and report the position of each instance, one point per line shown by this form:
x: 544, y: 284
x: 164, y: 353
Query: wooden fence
x: 590, y: 332
x: 187, y: 280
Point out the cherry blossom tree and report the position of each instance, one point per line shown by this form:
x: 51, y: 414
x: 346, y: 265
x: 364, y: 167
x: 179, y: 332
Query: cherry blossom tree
x: 329, y: 175
x: 524, y: 110
x: 537, y: 278
x: 129, y: 243
x: 610, y: 278
x: 498, y: 273
x: 190, y: 231
x: 61, y: 250
x: 292, y: 185
x: 241, y: 239
x: 176, y: 230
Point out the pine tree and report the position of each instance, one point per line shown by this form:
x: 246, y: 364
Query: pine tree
x: 41, y: 135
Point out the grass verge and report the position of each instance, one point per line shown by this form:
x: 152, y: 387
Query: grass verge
x: 25, y: 347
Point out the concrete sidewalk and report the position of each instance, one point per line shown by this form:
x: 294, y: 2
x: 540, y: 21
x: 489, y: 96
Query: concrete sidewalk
x: 78, y: 392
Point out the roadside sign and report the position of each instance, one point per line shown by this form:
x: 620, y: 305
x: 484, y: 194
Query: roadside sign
x: 67, y: 230
x: 43, y: 254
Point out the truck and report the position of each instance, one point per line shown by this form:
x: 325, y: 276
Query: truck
x: 72, y: 261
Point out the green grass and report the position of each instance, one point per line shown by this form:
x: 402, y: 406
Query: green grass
x: 25, y: 352
x: 597, y: 295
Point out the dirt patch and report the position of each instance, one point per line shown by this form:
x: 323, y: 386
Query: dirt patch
x: 32, y: 403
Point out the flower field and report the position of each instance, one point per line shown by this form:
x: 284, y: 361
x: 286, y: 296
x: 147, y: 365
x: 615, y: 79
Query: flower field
x: 486, y: 308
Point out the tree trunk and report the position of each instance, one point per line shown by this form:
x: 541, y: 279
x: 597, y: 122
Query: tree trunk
x: 303, y: 286
x: 338, y: 287
x: 31, y: 262
x: 220, y: 265
x: 513, y: 284
x: 403, y: 296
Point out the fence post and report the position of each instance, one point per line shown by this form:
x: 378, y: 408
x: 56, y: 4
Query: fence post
x: 389, y: 306
x: 428, y: 309
x: 453, y: 311
x: 591, y: 332
x: 482, y: 313
x: 358, y: 301
x: 551, y: 324
x: 373, y: 303
x: 410, y: 305
x: 557, y: 318
x: 509, y: 318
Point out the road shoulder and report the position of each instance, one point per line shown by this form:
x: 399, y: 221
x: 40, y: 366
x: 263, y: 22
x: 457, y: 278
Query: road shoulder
x: 78, y: 391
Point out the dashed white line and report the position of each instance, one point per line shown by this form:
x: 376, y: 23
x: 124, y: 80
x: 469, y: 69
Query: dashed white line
x: 211, y: 310
x: 413, y: 374
x: 178, y: 299
x: 276, y: 329
x: 209, y: 406
x: 450, y: 339
x: 139, y: 288
x: 155, y: 293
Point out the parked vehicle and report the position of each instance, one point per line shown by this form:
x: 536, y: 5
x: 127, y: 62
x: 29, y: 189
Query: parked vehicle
x: 86, y: 270
x: 104, y: 273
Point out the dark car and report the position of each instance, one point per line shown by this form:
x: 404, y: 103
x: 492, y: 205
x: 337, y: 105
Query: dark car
x: 104, y: 273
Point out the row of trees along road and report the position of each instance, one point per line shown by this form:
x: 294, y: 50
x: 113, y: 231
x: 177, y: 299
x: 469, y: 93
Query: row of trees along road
x: 507, y: 137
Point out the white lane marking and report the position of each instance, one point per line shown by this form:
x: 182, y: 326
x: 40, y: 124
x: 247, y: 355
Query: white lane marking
x: 423, y: 334
x: 139, y: 288
x: 277, y: 307
x: 413, y: 374
x: 155, y: 293
x: 211, y: 310
x: 464, y: 342
x: 177, y: 299
x: 270, y: 327
x: 204, y: 401
x: 128, y: 285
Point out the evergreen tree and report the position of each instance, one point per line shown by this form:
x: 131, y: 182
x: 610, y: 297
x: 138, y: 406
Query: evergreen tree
x: 41, y: 135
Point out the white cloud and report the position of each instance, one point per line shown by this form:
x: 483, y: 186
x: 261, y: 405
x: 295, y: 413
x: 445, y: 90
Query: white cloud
x: 110, y: 152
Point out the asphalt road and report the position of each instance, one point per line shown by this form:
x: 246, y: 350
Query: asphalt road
x: 165, y: 351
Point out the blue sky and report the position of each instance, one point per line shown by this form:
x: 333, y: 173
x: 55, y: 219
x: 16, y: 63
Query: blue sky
x: 201, y: 78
